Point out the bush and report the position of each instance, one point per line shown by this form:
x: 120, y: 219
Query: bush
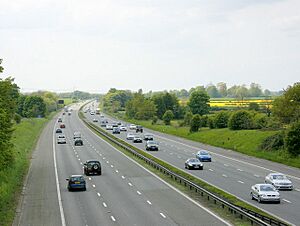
x: 260, y: 121
x: 274, y: 142
x: 292, y: 139
x: 195, y: 123
x: 273, y: 123
x: 17, y: 118
x: 211, y: 122
x: 154, y: 120
x: 253, y: 106
x: 188, y: 118
x: 221, y: 119
x: 168, y: 116
x: 204, y: 121
x: 240, y: 120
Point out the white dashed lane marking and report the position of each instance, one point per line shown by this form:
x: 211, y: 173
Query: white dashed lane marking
x: 94, y: 186
x: 211, y: 170
x: 90, y: 178
x: 112, y: 218
x: 104, y: 204
x: 225, y: 165
x: 256, y: 175
x: 149, y: 202
x: 224, y: 175
x: 130, y: 184
x: 241, y: 182
x: 139, y: 193
x: 117, y: 171
x: 123, y: 177
x: 286, y: 200
x: 240, y: 170
x: 161, y: 214
x: 297, y: 189
x: 98, y: 194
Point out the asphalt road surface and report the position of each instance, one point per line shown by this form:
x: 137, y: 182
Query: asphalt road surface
x: 233, y: 172
x: 125, y: 193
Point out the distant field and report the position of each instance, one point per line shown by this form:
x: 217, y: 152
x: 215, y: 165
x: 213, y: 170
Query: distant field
x: 234, y: 103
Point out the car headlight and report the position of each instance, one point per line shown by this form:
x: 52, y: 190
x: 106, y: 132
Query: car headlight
x: 263, y: 195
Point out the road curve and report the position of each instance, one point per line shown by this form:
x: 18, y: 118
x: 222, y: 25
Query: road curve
x: 125, y: 194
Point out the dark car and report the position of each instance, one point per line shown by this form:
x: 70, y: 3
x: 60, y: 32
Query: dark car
x: 92, y: 167
x: 151, y: 145
x: 76, y: 182
x: 58, y: 131
x: 116, y: 130
x: 59, y: 120
x: 139, y: 128
x: 62, y: 126
x: 193, y: 163
x: 78, y: 142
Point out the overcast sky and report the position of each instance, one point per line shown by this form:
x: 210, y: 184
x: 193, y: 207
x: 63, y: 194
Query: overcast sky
x: 94, y: 45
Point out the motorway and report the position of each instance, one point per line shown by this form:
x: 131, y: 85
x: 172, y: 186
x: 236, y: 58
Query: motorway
x: 125, y: 193
x: 230, y: 171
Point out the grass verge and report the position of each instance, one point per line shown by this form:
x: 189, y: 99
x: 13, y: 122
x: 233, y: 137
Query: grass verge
x: 25, y: 137
x: 193, y: 194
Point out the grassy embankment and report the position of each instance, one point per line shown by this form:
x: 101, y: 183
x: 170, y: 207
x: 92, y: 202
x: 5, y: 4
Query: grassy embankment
x: 243, y: 141
x: 24, y: 139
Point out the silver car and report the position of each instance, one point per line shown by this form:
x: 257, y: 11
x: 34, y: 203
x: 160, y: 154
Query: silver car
x: 130, y: 136
x: 61, y: 139
x: 279, y: 180
x: 264, y: 193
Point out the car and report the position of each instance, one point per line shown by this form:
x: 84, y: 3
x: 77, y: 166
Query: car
x: 279, y: 181
x: 119, y: 123
x: 101, y: 116
x: 264, y: 193
x: 62, y: 126
x: 109, y: 127
x: 58, y: 130
x: 78, y: 142
x: 61, y: 139
x: 132, y: 127
x: 148, y: 136
x: 116, y: 130
x: 76, y: 135
x: 92, y: 167
x: 59, y: 120
x: 203, y: 156
x: 137, y: 139
x: 138, y: 128
x: 151, y: 145
x: 123, y: 128
x: 130, y: 136
x: 114, y: 124
x: 76, y: 182
x: 193, y: 163
x: 92, y: 113
x: 103, y: 124
x: 95, y: 120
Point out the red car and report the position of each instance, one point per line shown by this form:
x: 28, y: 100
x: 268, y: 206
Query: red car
x: 62, y: 126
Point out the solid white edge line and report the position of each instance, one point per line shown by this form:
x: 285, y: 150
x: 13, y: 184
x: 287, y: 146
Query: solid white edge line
x: 61, y: 210
x: 175, y: 189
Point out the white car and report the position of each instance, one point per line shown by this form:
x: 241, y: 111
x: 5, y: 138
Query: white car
x: 264, y: 193
x: 109, y: 127
x: 132, y: 127
x: 130, y: 136
x: 95, y: 120
x: 61, y: 139
x: 279, y: 181
x: 123, y: 128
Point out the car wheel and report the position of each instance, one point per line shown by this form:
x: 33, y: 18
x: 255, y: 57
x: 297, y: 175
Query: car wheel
x: 278, y: 202
x: 100, y: 173
x: 84, y: 189
x: 251, y: 195
x: 259, y: 199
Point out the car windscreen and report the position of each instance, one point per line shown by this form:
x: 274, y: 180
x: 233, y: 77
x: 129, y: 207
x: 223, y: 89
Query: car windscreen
x: 93, y: 163
x: 194, y: 160
x: 73, y: 179
x: 266, y: 188
x: 203, y: 153
x: 279, y: 177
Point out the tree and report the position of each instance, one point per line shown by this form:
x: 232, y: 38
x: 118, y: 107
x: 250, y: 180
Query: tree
x: 255, y: 90
x: 168, y: 116
x: 1, y: 68
x: 212, y: 91
x: 195, y: 123
x: 198, y: 102
x: 287, y: 106
x: 240, y: 120
x: 292, y: 139
x: 166, y: 101
x: 34, y: 106
x: 222, y: 88
x: 188, y: 118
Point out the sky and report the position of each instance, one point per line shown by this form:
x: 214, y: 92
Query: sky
x: 94, y: 45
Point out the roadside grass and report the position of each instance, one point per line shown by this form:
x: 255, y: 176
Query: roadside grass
x: 68, y: 101
x: 24, y: 139
x: 203, y: 199
x: 243, y: 141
